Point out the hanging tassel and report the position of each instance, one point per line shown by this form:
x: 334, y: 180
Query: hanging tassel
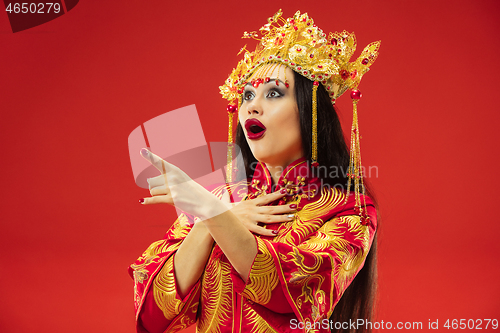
x: 231, y: 110
x: 314, y: 148
x: 355, y: 172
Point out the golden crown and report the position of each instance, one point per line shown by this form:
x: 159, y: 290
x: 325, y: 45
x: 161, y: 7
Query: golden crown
x: 299, y: 44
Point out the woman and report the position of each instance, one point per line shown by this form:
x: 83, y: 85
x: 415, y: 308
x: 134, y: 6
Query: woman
x: 282, y: 257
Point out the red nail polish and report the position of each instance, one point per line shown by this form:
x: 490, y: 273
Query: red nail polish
x: 275, y: 232
x: 293, y: 206
x: 283, y: 191
x: 141, y: 200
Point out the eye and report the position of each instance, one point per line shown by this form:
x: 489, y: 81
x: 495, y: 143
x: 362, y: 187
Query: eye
x: 248, y: 95
x: 274, y: 93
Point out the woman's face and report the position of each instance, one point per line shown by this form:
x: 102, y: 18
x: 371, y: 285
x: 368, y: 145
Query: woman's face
x: 270, y: 117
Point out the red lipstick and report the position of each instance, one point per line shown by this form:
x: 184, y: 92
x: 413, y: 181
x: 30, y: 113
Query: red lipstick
x: 255, y: 129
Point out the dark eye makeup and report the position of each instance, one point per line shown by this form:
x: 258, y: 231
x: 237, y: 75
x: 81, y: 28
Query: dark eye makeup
x: 273, y: 92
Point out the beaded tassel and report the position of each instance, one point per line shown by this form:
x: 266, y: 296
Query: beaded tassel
x: 231, y: 109
x: 314, y: 148
x: 355, y: 173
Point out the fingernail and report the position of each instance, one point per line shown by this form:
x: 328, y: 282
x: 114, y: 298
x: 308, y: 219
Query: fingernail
x: 283, y: 191
x: 275, y: 232
x: 290, y: 216
x: 144, y: 152
x: 293, y: 206
x: 141, y: 200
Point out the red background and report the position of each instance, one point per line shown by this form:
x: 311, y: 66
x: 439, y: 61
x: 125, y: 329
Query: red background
x: 72, y: 90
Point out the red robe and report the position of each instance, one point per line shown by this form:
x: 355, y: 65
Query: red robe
x: 296, y: 278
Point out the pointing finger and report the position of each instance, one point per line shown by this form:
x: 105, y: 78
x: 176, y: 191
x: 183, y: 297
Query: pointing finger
x: 157, y: 161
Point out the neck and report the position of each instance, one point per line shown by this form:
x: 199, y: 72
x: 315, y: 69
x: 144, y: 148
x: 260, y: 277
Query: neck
x: 275, y: 172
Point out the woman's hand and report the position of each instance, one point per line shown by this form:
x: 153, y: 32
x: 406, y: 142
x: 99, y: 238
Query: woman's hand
x: 252, y: 212
x: 176, y: 188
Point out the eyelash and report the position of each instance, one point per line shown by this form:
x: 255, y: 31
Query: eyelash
x: 247, y: 94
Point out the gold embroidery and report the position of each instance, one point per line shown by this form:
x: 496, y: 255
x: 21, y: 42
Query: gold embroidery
x: 164, y: 291
x: 216, y: 295
x: 150, y: 256
x: 186, y: 320
x: 308, y: 220
x: 263, y: 276
x: 255, y: 321
x: 259, y: 190
x: 330, y: 198
x: 311, y: 283
x: 240, y: 187
x: 348, y: 259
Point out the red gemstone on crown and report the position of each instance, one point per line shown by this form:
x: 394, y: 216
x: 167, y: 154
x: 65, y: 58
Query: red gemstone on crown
x: 268, y: 79
x: 311, y: 56
x: 365, y: 61
x: 344, y: 74
x: 315, y: 164
x: 316, y: 83
x: 232, y: 108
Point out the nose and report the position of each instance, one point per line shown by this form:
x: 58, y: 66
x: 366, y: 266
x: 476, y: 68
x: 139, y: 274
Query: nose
x: 254, y: 107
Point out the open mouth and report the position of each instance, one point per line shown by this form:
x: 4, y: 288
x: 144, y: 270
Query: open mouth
x: 255, y: 129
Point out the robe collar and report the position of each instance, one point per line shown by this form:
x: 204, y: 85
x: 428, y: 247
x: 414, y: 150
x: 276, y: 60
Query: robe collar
x: 297, y: 178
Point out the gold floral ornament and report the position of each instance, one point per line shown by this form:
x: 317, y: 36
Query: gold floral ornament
x: 301, y: 45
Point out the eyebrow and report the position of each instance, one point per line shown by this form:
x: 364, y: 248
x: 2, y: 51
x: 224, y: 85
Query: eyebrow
x: 272, y: 80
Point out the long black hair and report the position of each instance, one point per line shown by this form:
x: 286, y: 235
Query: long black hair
x: 358, y: 300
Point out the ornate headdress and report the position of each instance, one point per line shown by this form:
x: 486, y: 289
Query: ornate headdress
x: 324, y: 59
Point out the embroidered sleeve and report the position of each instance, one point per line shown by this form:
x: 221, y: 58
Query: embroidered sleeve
x: 159, y: 308
x: 263, y: 276
x: 308, y: 278
x: 315, y: 273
